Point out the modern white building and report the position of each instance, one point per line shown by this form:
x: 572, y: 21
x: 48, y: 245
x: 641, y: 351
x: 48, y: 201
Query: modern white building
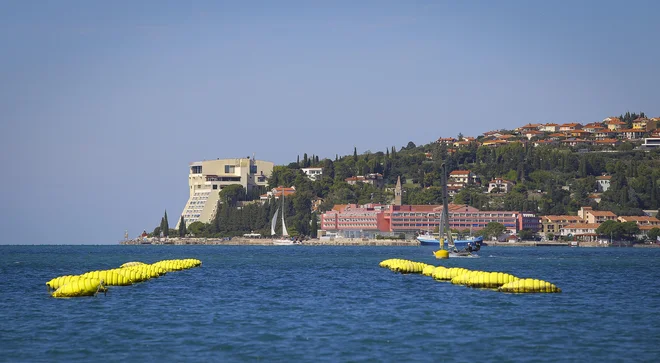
x: 651, y: 142
x: 207, y: 178
x: 313, y: 173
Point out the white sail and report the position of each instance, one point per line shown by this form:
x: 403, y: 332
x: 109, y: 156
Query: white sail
x: 272, y: 224
x: 284, y: 231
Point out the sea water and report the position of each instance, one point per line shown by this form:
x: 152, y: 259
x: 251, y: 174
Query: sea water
x: 331, y: 304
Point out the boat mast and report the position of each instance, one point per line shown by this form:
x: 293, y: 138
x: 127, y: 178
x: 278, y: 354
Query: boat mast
x: 445, y: 208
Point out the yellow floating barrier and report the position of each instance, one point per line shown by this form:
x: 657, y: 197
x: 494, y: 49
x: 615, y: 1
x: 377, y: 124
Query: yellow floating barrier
x: 60, y: 281
x: 133, y: 275
x: 464, y: 278
x: 490, y: 280
x: 450, y: 273
x: 109, y: 277
x: 79, y: 287
x: 437, y: 271
x: 428, y: 270
x: 132, y: 263
x: 529, y: 286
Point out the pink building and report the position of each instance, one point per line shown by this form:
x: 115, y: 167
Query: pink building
x: 364, y: 221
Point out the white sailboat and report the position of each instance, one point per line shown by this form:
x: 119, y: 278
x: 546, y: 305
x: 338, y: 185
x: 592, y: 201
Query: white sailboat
x: 284, y: 240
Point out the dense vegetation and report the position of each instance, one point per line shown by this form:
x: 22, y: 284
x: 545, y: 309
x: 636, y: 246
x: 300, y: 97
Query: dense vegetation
x: 550, y: 180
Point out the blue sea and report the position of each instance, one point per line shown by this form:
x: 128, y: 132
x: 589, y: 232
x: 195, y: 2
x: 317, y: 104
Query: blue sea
x: 331, y: 304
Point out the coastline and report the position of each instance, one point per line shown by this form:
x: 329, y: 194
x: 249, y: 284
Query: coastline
x: 242, y: 241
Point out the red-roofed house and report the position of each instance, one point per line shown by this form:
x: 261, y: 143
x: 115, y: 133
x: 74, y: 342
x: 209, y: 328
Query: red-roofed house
x: 375, y: 179
x: 461, y: 178
x: 632, y: 134
x: 581, y: 231
x: 570, y: 126
x: 277, y: 192
x: 615, y: 124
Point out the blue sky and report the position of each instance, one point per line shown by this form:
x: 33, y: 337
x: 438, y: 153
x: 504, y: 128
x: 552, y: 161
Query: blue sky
x: 104, y: 105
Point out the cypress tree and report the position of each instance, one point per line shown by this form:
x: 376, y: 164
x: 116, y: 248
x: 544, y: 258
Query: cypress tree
x: 182, y: 227
x: 314, y: 227
x: 355, y: 158
x: 166, y: 225
x: 163, y: 227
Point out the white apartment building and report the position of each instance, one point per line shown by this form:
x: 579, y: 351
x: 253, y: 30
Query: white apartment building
x: 207, y: 178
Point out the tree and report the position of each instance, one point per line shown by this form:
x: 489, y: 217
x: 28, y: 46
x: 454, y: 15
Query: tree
x: 526, y: 234
x: 653, y: 234
x: 197, y: 228
x: 164, y: 225
x: 493, y: 229
x: 182, y: 227
x: 232, y: 194
x: 314, y: 227
x: 355, y: 157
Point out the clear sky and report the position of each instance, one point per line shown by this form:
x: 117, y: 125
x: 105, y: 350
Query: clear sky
x: 104, y: 104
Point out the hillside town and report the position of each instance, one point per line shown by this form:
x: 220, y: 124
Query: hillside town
x: 258, y: 184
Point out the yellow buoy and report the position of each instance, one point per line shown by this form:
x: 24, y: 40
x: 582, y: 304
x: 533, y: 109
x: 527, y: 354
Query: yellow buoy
x: 79, y: 287
x: 441, y: 254
x: 529, y: 286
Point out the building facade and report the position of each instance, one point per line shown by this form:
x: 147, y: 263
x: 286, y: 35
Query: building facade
x: 207, y: 178
x: 372, y: 219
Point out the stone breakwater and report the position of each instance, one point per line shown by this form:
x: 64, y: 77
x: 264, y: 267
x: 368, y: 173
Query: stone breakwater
x: 241, y: 241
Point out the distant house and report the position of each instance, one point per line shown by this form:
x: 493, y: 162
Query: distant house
x: 596, y: 216
x: 494, y: 143
x: 605, y: 134
x: 651, y: 142
x: 570, y: 126
x: 640, y: 123
x: 549, y: 127
x: 645, y: 223
x: 603, y: 183
x: 462, y: 178
x: 594, y: 197
x: 528, y: 127
x: 499, y: 185
x: 375, y: 179
x: 632, y: 134
x: 313, y: 173
x: 532, y: 133
x: 316, y: 202
x: 607, y: 142
x: 446, y: 140
x: 278, y: 192
x: 554, y: 224
x: 581, y: 231
x: 615, y: 124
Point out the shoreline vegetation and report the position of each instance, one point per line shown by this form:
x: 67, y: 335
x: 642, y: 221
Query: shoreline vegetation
x: 242, y: 241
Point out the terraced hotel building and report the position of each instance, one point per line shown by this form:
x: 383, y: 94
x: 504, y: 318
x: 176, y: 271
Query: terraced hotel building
x: 207, y: 178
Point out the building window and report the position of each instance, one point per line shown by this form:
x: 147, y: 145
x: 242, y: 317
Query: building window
x: 197, y: 169
x: 229, y: 169
x: 253, y: 169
